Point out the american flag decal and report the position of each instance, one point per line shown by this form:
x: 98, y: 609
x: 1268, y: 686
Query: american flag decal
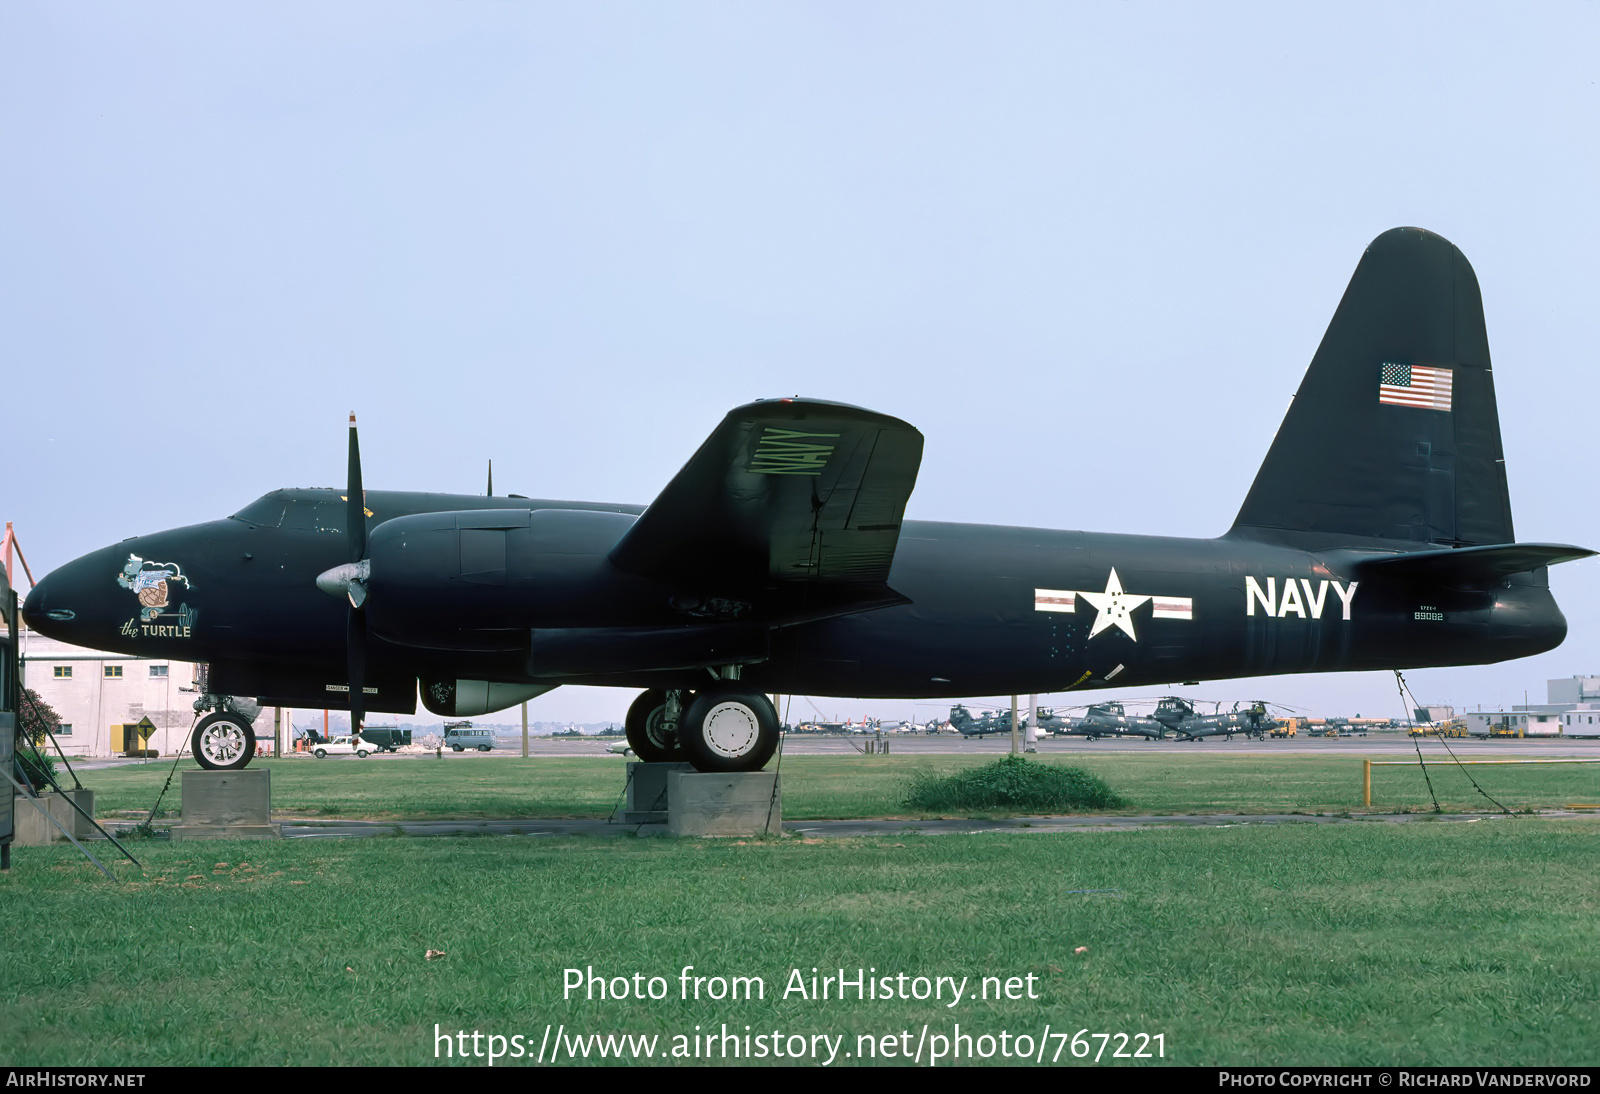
x: 1413, y: 385
x: 1055, y: 600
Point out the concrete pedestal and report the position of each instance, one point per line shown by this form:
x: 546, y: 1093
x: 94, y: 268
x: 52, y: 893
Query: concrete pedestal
x: 746, y: 803
x: 34, y: 831
x: 81, y: 828
x: 227, y: 805
x: 647, y: 792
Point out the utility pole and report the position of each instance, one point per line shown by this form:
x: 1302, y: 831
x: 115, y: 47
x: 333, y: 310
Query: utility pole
x: 524, y: 705
x: 1015, y: 747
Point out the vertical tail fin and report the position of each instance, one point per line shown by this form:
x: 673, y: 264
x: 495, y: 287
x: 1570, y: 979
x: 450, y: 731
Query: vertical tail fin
x: 1394, y: 434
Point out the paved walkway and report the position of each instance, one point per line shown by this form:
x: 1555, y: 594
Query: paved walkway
x: 308, y: 829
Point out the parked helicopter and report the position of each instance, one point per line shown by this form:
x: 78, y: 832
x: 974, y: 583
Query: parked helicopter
x: 1100, y: 720
x: 965, y: 723
x: 1377, y: 535
x: 1178, y: 715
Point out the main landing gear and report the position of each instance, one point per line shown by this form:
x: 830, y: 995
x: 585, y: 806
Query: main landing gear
x: 726, y: 727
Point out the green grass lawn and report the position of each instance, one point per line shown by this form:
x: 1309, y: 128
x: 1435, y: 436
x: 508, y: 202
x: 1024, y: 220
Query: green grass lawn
x: 823, y: 787
x: 1462, y: 944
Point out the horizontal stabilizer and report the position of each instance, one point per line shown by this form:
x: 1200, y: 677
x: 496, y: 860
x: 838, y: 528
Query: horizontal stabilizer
x: 1468, y: 565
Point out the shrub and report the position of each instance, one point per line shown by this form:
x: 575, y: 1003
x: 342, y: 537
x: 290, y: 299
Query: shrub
x: 39, y: 768
x: 1012, y: 783
x: 36, y: 716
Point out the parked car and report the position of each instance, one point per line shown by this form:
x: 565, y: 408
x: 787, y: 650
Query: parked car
x: 342, y: 746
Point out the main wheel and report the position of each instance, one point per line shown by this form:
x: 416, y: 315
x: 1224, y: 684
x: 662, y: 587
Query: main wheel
x: 321, y: 754
x: 652, y: 738
x: 729, y: 729
x: 223, y: 741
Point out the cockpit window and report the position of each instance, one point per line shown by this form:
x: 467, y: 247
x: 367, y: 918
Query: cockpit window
x: 314, y: 515
x: 264, y: 512
x: 295, y: 512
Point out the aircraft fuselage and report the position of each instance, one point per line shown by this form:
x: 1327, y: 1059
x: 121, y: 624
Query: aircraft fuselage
x: 992, y: 609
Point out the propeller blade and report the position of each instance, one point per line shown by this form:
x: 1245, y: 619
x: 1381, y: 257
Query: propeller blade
x: 351, y: 579
x: 356, y: 646
x: 356, y: 499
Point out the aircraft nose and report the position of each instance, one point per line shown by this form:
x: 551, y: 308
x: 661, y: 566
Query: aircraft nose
x: 69, y: 605
x: 46, y: 610
x: 43, y: 610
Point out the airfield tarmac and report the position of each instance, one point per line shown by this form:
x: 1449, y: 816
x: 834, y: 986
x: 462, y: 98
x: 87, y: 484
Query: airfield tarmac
x: 1375, y: 747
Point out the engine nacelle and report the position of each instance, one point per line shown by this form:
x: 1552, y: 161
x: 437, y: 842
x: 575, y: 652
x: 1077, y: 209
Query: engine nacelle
x: 455, y: 698
x: 478, y: 579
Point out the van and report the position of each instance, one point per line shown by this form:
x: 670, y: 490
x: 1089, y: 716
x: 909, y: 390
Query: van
x: 459, y: 736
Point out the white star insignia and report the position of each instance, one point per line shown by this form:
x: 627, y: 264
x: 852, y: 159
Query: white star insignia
x: 1114, y: 607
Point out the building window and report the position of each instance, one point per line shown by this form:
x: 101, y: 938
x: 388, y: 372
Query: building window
x: 113, y: 672
x: 64, y: 729
x: 158, y: 670
x: 63, y: 672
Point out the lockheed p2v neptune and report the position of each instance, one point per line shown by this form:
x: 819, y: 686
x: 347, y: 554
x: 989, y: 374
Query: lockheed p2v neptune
x: 1377, y: 535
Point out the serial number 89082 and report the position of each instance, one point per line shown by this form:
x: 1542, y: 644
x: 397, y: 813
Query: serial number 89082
x: 1082, y: 1045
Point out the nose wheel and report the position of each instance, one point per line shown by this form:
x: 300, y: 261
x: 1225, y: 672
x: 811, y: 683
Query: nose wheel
x: 223, y: 741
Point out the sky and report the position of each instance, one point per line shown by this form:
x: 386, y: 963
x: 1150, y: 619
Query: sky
x: 1088, y: 249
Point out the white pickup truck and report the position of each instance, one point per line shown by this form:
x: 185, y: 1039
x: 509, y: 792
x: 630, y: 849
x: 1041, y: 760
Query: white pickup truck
x: 342, y: 746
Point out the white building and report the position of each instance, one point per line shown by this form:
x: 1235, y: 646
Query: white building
x: 1524, y: 722
x: 92, y: 692
x: 1573, y: 691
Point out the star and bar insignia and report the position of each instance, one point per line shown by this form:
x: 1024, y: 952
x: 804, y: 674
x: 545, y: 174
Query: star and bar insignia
x: 1113, y: 607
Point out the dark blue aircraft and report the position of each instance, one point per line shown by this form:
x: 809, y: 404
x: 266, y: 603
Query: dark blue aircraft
x: 1377, y: 535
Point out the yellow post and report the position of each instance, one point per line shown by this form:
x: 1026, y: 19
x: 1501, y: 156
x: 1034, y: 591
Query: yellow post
x: 1366, y: 783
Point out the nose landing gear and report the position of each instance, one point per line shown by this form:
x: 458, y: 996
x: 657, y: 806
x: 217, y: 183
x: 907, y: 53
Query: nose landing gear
x: 223, y: 741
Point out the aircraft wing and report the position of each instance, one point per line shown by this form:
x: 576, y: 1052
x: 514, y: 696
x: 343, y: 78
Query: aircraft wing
x: 793, y: 504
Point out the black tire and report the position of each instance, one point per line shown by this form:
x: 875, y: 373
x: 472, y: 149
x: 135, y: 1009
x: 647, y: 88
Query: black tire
x: 361, y: 752
x: 455, y: 748
x: 321, y: 754
x: 483, y: 748
x: 223, y: 741
x: 649, y: 740
x: 729, y: 728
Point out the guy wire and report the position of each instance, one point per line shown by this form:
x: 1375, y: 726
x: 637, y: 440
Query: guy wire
x: 1401, y: 682
x: 1454, y: 757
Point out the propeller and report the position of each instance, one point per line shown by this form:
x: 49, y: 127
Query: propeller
x: 350, y: 581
